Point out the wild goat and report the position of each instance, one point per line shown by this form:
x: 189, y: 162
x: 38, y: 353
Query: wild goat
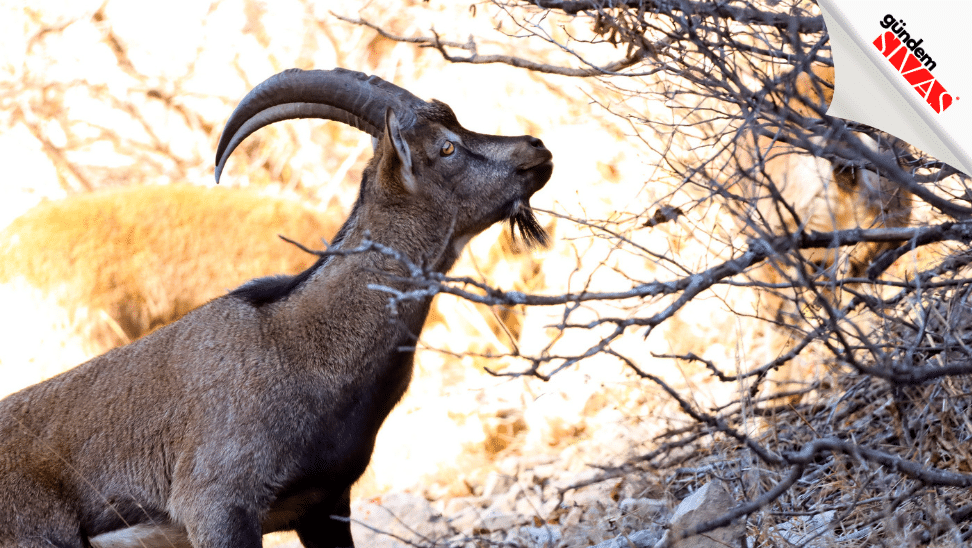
x: 813, y: 194
x: 825, y: 196
x: 259, y: 410
x: 85, y: 274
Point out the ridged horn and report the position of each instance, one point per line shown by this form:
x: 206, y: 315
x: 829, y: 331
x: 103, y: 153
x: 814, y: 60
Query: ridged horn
x: 346, y: 96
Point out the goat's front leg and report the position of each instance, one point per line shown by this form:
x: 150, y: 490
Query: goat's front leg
x: 225, y: 526
x: 317, y: 529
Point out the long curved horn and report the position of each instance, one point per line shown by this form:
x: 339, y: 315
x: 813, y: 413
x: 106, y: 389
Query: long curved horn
x: 346, y: 96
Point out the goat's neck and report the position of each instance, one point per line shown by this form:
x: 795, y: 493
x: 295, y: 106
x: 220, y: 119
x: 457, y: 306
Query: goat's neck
x: 423, y: 239
x: 344, y: 307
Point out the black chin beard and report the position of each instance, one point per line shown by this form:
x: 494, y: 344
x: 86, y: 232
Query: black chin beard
x: 523, y: 219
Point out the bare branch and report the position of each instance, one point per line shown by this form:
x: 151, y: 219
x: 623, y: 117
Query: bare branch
x: 909, y: 468
x: 746, y: 14
x: 475, y: 58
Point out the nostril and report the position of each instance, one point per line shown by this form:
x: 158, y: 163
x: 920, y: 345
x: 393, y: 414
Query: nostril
x: 535, y: 143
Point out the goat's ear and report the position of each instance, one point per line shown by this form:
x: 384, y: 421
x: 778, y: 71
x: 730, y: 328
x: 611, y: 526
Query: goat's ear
x: 393, y: 134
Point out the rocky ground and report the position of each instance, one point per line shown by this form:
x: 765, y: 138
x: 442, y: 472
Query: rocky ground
x: 628, y: 471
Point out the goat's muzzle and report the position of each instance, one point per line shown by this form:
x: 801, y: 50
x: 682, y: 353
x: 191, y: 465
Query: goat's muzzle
x: 536, y: 170
x: 537, y: 167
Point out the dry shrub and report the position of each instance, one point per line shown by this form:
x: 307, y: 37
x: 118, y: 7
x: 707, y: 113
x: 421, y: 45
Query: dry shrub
x: 888, y: 441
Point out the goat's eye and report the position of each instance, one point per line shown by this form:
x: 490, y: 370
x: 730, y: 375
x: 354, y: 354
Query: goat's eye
x: 447, y: 149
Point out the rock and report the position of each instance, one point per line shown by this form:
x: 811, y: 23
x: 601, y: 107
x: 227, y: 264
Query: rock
x: 809, y: 531
x: 402, y: 515
x: 460, y: 504
x: 492, y: 520
x: 464, y: 513
x: 497, y: 483
x: 638, y: 539
x: 567, y: 481
x: 539, y: 537
x: 706, y: 504
x: 544, y: 472
x: 636, y: 514
x: 531, y: 504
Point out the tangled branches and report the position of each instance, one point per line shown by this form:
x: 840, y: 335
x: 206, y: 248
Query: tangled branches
x: 842, y: 237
